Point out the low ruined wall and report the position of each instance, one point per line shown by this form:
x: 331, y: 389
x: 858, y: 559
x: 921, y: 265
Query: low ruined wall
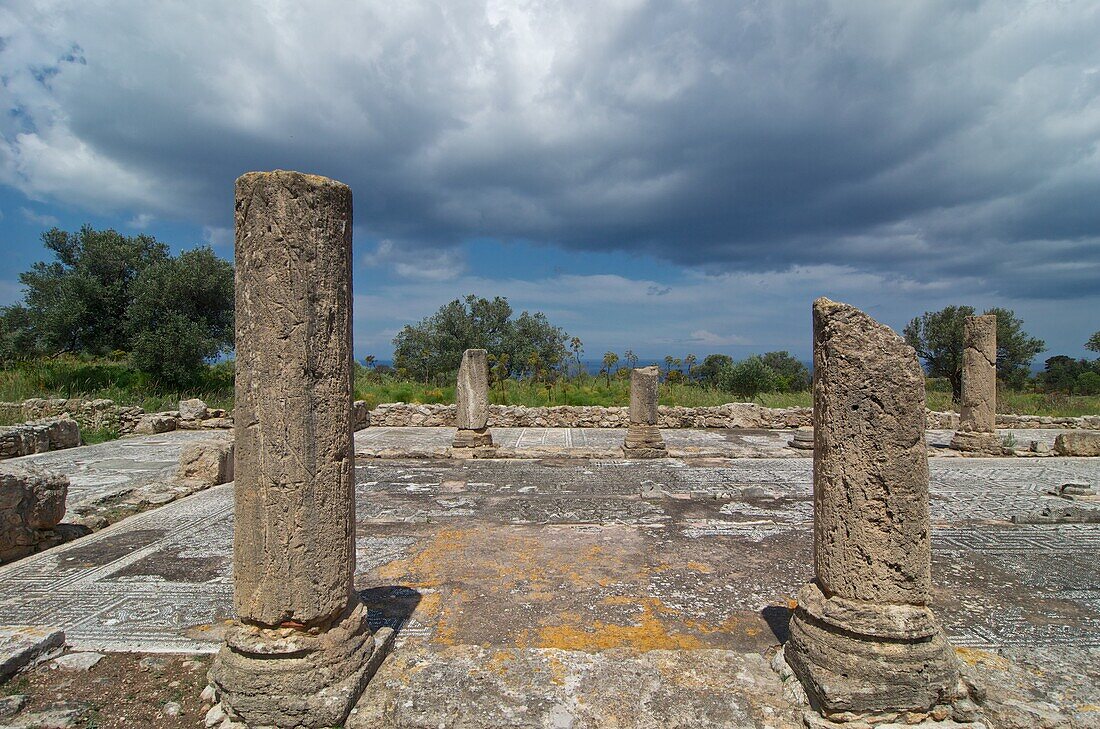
x: 38, y: 436
x: 92, y: 414
x: 730, y: 415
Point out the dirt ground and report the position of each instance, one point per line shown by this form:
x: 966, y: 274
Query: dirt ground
x: 121, y: 690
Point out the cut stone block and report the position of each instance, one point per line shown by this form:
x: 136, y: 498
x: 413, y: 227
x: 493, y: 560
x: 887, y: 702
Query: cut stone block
x: 25, y: 645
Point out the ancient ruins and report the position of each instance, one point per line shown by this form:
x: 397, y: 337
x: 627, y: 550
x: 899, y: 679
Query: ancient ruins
x: 472, y: 400
x: 643, y: 437
x: 864, y: 638
x: 978, y: 414
x: 300, y: 649
x: 588, y: 581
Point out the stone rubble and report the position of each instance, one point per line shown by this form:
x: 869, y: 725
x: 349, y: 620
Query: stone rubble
x: 1081, y: 443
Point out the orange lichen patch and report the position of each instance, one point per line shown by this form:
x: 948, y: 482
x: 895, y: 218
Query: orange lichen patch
x: 647, y: 634
x: 558, y: 671
x: 976, y: 656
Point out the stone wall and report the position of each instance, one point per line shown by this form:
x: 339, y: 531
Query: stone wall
x: 733, y: 415
x: 92, y: 414
x: 730, y: 415
x: 38, y: 436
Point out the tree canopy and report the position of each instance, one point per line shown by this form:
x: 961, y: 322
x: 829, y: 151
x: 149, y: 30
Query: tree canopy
x: 937, y: 336
x: 525, y: 345
x: 106, y: 292
x: 1094, y: 343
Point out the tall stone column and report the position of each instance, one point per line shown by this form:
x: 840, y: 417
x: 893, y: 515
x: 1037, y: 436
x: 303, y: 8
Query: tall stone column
x: 978, y: 416
x: 472, y: 400
x: 643, y: 437
x: 863, y: 637
x: 299, y: 651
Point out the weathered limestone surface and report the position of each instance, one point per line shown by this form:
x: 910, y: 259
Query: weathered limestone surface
x: 978, y: 416
x: 192, y: 409
x: 298, y: 652
x: 32, y: 503
x: 209, y: 461
x: 1078, y: 443
x: 643, y: 437
x: 472, y: 400
x: 863, y: 638
x: 25, y: 645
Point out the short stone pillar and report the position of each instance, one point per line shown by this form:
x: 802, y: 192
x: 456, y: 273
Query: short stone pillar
x: 472, y: 400
x: 643, y: 437
x: 863, y: 637
x: 300, y: 651
x: 978, y: 412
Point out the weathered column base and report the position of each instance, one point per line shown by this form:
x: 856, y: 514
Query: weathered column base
x: 857, y: 658
x: 467, y: 438
x: 644, y: 441
x: 291, y: 678
x: 977, y: 442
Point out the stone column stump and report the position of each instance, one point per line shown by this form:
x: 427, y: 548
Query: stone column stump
x: 472, y: 401
x: 299, y: 651
x: 863, y: 638
x: 643, y: 437
x: 977, y: 431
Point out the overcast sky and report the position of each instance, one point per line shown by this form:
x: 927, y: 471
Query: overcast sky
x: 668, y: 177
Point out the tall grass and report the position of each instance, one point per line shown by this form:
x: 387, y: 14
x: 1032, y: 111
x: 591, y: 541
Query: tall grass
x: 110, y: 378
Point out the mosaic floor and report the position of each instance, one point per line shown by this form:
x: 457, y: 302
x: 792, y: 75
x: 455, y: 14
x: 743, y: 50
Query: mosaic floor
x: 565, y: 554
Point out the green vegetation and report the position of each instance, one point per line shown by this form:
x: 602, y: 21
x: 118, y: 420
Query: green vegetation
x: 118, y: 380
x: 108, y: 293
x: 526, y: 346
x: 114, y: 378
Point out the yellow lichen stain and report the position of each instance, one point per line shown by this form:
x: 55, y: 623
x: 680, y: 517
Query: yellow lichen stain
x: 558, y: 671
x: 647, y: 634
x: 976, y: 656
x: 1088, y: 707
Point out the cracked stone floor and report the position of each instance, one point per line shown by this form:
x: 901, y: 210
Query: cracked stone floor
x: 548, y: 592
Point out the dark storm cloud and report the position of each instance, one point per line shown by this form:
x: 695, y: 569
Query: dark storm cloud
x: 939, y: 139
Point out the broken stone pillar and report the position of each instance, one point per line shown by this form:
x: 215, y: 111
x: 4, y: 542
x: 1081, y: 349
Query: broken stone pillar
x: 863, y: 638
x: 472, y: 400
x: 643, y: 437
x: 978, y: 416
x: 299, y: 652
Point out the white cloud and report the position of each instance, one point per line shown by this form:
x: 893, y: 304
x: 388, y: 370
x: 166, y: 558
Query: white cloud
x: 141, y: 220
x: 422, y: 264
x: 217, y: 237
x: 716, y: 135
x: 46, y: 221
